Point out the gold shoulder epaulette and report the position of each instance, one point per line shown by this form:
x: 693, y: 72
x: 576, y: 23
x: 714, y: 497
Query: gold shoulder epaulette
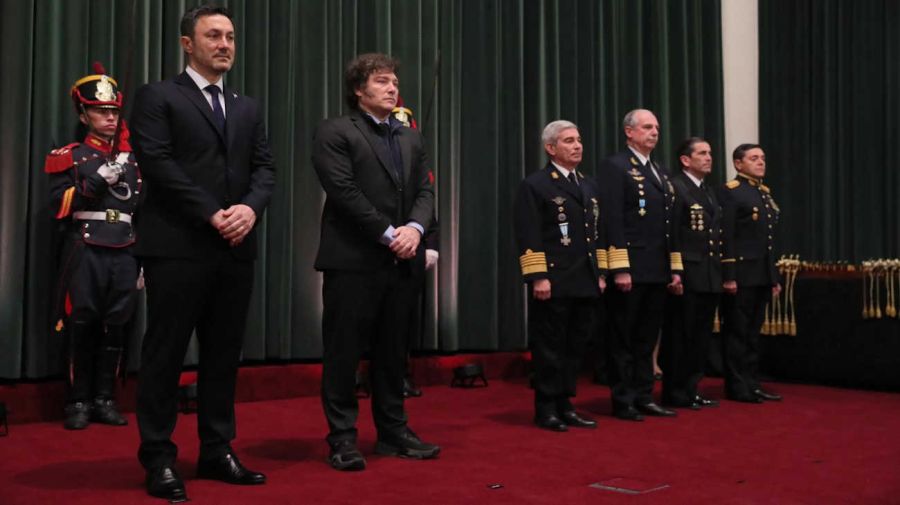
x: 764, y: 188
x: 732, y: 184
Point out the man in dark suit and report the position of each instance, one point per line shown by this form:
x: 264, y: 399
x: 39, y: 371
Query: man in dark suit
x: 638, y: 195
x: 205, y: 159
x: 749, y: 218
x: 563, y: 259
x: 379, y: 202
x: 695, y: 224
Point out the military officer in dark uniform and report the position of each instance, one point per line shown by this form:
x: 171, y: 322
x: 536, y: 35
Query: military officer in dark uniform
x: 695, y: 224
x: 558, y: 227
x: 94, y: 189
x: 638, y: 196
x: 750, y: 216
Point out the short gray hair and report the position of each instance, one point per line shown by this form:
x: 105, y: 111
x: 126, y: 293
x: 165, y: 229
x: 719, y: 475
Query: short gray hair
x: 552, y: 130
x: 629, y: 120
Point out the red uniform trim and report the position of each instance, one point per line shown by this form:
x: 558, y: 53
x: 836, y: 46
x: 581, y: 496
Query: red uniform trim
x: 59, y: 160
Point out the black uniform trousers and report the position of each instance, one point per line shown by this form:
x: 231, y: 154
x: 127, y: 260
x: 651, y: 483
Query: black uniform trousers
x: 743, y: 313
x: 559, y: 329
x: 366, y: 310
x: 210, y: 295
x: 685, y: 344
x: 635, y: 320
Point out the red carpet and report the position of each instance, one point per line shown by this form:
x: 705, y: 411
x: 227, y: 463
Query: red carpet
x: 820, y: 446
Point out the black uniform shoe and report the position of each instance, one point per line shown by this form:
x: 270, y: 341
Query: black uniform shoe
x: 550, y: 422
x: 165, y: 483
x: 766, y: 395
x: 628, y: 414
x: 406, y: 445
x: 227, y: 468
x: 104, y: 411
x: 571, y: 418
x: 705, y: 402
x: 410, y: 389
x: 682, y: 404
x: 78, y: 416
x: 652, y: 409
x: 345, y: 456
x: 745, y: 399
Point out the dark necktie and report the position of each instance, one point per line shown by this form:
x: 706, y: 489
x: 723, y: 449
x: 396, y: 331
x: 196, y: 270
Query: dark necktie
x: 705, y: 189
x: 573, y: 179
x: 393, y: 148
x: 218, y: 113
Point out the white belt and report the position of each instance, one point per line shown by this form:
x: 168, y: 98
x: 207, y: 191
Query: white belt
x: 110, y: 216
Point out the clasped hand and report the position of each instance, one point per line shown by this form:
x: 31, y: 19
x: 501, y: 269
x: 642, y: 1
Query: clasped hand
x: 234, y: 223
x: 406, y: 241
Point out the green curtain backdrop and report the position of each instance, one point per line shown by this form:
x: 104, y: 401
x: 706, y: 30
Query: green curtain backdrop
x: 829, y: 102
x: 492, y: 73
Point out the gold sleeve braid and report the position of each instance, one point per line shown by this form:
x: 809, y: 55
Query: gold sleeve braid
x: 533, y: 262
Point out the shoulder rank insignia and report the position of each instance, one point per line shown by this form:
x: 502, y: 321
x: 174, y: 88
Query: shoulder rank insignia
x: 764, y: 188
x: 732, y: 184
x: 634, y: 162
x: 554, y: 175
x: 59, y: 159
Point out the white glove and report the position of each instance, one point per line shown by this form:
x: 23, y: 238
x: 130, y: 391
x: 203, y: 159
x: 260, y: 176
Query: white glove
x: 111, y: 173
x: 431, y: 258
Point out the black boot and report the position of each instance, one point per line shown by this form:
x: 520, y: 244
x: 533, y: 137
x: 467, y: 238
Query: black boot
x: 106, y: 368
x: 77, y: 416
x: 81, y: 361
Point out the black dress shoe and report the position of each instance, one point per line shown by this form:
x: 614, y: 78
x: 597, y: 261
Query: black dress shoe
x: 406, y: 444
x: 628, y: 414
x: 104, y: 411
x: 683, y: 404
x: 550, y: 422
x: 78, y: 416
x: 410, y: 389
x: 573, y: 419
x: 164, y: 482
x: 745, y: 399
x: 227, y: 468
x: 705, y: 402
x: 652, y: 409
x: 765, y: 395
x: 345, y: 456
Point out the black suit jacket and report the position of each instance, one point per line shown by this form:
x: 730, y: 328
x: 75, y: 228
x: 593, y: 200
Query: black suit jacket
x: 192, y: 169
x: 363, y: 193
x: 572, y: 261
x: 638, y: 208
x: 696, y: 233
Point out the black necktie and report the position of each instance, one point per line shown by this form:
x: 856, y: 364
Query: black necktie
x: 573, y: 179
x: 218, y: 113
x: 393, y: 148
x: 705, y: 189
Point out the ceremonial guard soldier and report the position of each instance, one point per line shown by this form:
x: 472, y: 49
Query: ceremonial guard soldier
x: 750, y: 216
x: 94, y: 188
x: 695, y: 232
x: 563, y: 259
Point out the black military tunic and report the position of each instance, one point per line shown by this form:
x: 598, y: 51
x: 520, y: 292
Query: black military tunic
x: 558, y: 227
x: 696, y: 233
x: 750, y: 217
x: 98, y: 273
x: 638, y: 204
